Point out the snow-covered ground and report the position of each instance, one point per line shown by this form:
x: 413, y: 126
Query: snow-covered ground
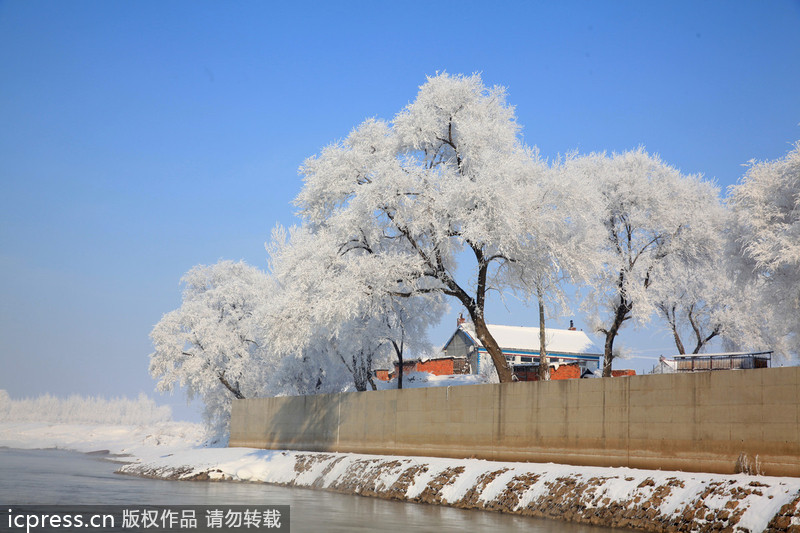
x: 645, y: 499
x: 419, y: 380
x: 121, y: 426
x: 137, y: 442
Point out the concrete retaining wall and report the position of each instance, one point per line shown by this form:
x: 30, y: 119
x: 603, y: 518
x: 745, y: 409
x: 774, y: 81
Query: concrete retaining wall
x: 691, y: 422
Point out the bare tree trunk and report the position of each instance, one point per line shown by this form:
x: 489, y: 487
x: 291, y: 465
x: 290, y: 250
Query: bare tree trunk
x: 608, y: 356
x: 504, y: 372
x: 671, y: 315
x: 361, y: 376
x: 544, y: 363
x: 503, y: 369
x: 475, y: 307
x: 621, y: 315
x: 368, y: 372
x: 400, y: 372
x: 678, y: 342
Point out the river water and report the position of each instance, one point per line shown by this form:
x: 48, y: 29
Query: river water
x: 55, y: 477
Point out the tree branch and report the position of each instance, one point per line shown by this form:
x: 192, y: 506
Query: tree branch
x: 234, y: 389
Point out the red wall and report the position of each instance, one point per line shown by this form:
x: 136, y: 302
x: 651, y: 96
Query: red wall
x: 568, y: 371
x: 437, y: 367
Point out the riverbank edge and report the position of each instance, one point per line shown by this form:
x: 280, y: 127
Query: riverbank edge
x: 647, y: 500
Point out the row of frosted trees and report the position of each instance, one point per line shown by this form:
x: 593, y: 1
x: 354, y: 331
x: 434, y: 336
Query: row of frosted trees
x: 445, y: 204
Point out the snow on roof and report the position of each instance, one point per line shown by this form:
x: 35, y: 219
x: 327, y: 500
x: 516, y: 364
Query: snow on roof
x: 527, y: 338
x: 720, y: 355
x: 671, y: 363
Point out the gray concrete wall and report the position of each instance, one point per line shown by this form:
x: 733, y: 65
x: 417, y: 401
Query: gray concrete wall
x: 691, y: 422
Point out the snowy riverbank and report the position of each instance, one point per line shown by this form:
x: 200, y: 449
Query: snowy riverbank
x: 620, y: 497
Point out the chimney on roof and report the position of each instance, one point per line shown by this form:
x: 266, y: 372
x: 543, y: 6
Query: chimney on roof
x: 460, y: 319
x: 572, y: 326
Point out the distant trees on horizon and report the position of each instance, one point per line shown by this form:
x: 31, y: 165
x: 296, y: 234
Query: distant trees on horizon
x: 76, y: 409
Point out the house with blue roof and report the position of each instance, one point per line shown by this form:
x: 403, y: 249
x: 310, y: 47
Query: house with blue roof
x: 520, y: 345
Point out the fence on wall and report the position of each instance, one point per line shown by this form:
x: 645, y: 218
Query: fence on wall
x: 705, y: 421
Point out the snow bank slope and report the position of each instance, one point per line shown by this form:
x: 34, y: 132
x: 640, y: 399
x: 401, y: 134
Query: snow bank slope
x: 618, y: 497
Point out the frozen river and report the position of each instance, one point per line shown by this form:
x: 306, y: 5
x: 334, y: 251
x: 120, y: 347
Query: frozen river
x: 55, y: 477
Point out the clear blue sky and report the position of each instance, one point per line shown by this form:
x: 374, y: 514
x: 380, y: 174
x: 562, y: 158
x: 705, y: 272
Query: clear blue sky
x: 138, y: 139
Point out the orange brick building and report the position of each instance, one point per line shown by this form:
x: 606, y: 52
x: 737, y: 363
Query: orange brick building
x: 440, y: 366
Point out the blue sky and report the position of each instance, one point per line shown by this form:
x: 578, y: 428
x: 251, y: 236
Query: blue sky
x: 138, y: 139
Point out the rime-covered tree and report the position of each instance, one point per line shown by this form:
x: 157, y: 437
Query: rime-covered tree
x: 766, y: 207
x: 331, y: 306
x: 214, y: 344
x: 702, y: 300
x: 448, y: 179
x: 703, y: 305
x: 650, y: 212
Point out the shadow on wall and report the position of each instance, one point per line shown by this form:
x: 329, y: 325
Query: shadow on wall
x: 694, y: 422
